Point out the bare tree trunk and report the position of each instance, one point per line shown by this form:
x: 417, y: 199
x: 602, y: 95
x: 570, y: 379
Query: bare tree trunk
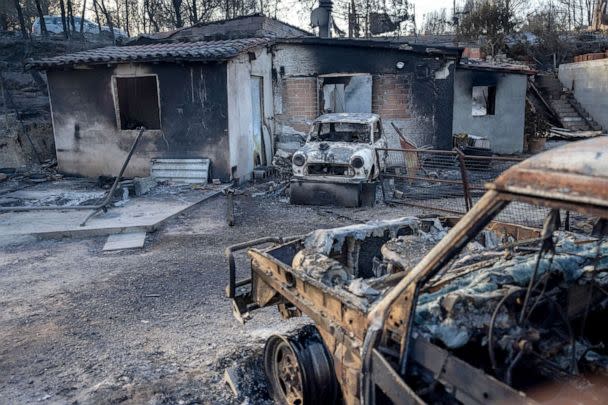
x: 117, y: 21
x: 43, y: 30
x: 71, y: 16
x: 152, y: 21
x: 64, y: 23
x: 177, y: 4
x: 143, y: 20
x: 108, y: 17
x: 194, y: 18
x: 84, y: 7
x: 127, y: 17
x: 21, y: 20
x: 97, y: 15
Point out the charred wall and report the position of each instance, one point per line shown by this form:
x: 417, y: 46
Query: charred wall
x: 417, y: 98
x: 193, y: 118
x: 504, y: 127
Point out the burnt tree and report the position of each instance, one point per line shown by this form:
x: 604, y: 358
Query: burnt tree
x: 64, y: 23
x: 21, y: 19
x: 126, y: 17
x: 97, y: 19
x: 71, y: 16
x: 43, y: 30
x: 84, y: 7
x: 177, y: 5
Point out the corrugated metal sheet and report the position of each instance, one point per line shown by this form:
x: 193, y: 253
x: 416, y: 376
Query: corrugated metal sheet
x: 181, y: 170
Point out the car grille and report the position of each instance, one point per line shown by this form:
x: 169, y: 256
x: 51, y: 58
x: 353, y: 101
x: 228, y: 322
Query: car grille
x: 328, y: 169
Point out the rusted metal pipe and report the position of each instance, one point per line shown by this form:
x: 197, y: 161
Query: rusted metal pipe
x: 229, y: 252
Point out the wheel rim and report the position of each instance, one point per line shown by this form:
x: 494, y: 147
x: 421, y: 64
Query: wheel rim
x: 288, y: 375
x: 300, y: 369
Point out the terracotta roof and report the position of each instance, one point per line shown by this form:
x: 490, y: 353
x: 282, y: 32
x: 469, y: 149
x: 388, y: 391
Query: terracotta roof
x: 179, y: 51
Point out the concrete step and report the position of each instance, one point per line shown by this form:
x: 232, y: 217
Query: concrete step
x: 565, y: 110
x: 560, y: 107
x: 577, y: 127
x: 572, y: 113
x: 577, y: 118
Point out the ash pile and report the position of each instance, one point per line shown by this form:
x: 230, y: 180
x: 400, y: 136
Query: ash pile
x: 526, y: 315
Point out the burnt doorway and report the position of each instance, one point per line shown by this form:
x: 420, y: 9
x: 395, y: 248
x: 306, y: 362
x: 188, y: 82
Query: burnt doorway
x: 260, y: 143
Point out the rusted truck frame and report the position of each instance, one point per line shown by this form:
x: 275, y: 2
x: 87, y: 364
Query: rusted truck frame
x: 372, y: 347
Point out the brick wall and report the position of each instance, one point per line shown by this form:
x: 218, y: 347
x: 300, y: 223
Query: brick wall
x: 300, y: 98
x: 391, y: 96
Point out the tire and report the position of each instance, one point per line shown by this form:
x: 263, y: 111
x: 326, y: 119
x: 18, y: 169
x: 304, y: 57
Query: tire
x: 300, y: 369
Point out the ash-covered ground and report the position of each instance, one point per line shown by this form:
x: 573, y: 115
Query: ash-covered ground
x: 80, y: 326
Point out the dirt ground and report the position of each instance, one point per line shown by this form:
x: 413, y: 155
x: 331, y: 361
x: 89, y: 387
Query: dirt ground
x: 79, y: 325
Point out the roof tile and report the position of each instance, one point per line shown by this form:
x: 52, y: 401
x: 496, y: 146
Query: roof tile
x: 182, y: 51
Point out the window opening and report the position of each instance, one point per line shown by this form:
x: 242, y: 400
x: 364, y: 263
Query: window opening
x: 138, y: 102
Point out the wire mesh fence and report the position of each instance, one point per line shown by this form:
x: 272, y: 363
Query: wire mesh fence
x: 427, y: 178
x: 447, y: 181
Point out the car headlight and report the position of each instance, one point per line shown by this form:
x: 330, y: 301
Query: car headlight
x: 299, y: 159
x: 357, y: 162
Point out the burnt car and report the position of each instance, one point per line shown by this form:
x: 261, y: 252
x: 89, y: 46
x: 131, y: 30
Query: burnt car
x: 471, y: 310
x: 338, y: 164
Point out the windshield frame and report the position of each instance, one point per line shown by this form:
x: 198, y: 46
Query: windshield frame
x: 316, y: 126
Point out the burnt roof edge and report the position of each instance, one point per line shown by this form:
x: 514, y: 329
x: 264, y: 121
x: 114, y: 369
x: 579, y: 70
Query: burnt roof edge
x: 369, y: 43
x: 499, y: 69
x: 49, y: 63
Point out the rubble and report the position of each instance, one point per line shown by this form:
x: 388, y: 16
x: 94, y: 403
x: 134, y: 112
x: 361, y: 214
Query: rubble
x: 564, y: 133
x: 282, y: 162
x: 143, y: 185
x: 470, y: 310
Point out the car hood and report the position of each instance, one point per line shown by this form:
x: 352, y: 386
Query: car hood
x: 337, y: 152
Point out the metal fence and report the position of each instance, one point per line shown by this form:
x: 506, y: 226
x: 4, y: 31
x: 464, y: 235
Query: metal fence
x: 447, y: 181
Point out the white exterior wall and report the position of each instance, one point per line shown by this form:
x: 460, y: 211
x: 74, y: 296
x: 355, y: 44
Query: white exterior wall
x: 239, y: 72
x: 589, y: 82
x: 504, y: 129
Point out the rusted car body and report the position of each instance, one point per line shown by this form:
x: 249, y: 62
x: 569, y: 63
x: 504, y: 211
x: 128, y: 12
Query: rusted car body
x: 376, y: 335
x: 337, y: 164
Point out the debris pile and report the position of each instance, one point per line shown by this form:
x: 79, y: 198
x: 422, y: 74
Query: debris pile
x: 484, y: 309
x: 568, y: 134
x: 282, y: 162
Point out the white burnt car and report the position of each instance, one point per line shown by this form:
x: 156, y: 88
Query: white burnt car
x: 338, y: 163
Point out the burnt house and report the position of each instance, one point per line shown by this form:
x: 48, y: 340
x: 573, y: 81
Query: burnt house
x: 196, y: 100
x: 410, y: 86
x: 201, y: 92
x: 490, y: 102
x: 235, y: 100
